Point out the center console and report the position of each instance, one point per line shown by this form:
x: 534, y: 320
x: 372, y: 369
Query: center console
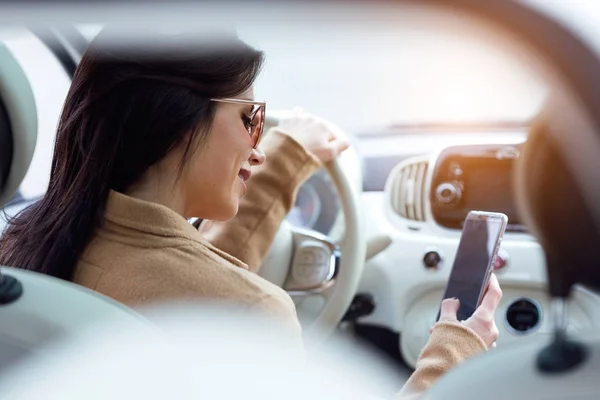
x: 474, y: 177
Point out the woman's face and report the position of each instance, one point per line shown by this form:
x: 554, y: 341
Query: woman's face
x: 214, y: 181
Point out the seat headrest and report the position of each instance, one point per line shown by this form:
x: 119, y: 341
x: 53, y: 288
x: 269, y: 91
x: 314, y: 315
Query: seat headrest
x: 554, y: 207
x: 18, y: 124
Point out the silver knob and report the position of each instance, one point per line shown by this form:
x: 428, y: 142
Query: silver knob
x: 447, y: 193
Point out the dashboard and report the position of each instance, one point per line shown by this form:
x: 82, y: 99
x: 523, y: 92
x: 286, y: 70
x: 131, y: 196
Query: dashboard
x: 317, y: 205
x: 417, y: 188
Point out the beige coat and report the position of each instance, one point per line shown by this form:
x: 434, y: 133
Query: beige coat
x: 145, y: 253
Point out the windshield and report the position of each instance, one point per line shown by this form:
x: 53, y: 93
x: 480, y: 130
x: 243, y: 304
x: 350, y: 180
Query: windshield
x: 393, y: 74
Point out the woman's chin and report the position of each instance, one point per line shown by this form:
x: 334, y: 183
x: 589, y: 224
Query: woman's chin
x: 223, y: 209
x: 227, y: 211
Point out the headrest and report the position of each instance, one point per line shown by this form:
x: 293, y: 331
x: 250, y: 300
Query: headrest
x: 18, y: 124
x: 553, y: 205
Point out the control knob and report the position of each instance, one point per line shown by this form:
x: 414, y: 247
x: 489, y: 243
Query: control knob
x: 433, y: 259
x: 448, y: 193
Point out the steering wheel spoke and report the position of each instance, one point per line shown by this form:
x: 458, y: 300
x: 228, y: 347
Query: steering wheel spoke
x: 314, y: 266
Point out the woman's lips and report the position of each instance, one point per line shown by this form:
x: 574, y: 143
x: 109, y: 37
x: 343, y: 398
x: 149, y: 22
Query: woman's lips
x: 244, y: 175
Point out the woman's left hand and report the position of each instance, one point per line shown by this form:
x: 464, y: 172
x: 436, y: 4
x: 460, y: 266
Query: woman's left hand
x: 318, y: 136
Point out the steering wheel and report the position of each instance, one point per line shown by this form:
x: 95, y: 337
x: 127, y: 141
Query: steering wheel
x: 320, y: 274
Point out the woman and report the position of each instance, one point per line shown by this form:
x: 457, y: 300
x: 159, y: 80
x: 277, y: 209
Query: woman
x: 149, y: 138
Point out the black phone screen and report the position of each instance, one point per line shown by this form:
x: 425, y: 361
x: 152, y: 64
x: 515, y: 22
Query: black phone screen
x: 472, y: 262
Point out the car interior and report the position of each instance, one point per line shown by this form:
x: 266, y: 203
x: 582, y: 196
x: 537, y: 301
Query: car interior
x: 449, y: 108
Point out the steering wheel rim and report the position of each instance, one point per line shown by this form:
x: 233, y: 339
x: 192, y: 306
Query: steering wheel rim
x: 341, y: 285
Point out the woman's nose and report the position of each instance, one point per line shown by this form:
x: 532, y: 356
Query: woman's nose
x: 257, y: 157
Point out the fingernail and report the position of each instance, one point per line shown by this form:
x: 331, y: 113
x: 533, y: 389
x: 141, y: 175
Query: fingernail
x: 455, y: 298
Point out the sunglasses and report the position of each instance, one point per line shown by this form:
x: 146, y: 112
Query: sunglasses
x: 254, y: 121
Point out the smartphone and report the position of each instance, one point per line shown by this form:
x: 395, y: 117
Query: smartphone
x: 474, y: 262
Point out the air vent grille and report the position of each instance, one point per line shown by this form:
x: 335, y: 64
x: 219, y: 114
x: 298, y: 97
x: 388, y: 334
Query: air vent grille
x: 407, y: 191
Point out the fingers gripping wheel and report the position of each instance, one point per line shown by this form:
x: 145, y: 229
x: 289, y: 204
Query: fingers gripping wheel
x: 317, y: 267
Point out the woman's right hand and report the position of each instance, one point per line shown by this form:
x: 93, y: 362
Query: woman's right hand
x: 482, y: 321
x: 324, y: 140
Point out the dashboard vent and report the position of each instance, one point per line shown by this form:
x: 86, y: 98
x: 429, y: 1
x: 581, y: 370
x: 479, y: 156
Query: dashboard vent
x: 406, y: 188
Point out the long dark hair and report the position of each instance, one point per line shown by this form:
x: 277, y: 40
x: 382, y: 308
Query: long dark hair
x: 131, y: 102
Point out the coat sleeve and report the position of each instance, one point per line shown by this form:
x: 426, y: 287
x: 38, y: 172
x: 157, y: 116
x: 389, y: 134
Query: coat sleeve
x: 450, y: 344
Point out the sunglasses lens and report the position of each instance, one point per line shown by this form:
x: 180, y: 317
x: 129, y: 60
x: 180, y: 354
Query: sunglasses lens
x: 258, y: 123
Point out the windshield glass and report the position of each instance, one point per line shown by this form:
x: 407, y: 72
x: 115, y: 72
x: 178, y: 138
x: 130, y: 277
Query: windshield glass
x: 390, y: 74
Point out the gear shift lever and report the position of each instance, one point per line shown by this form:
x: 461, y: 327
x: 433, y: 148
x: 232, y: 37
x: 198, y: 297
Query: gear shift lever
x: 562, y: 354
